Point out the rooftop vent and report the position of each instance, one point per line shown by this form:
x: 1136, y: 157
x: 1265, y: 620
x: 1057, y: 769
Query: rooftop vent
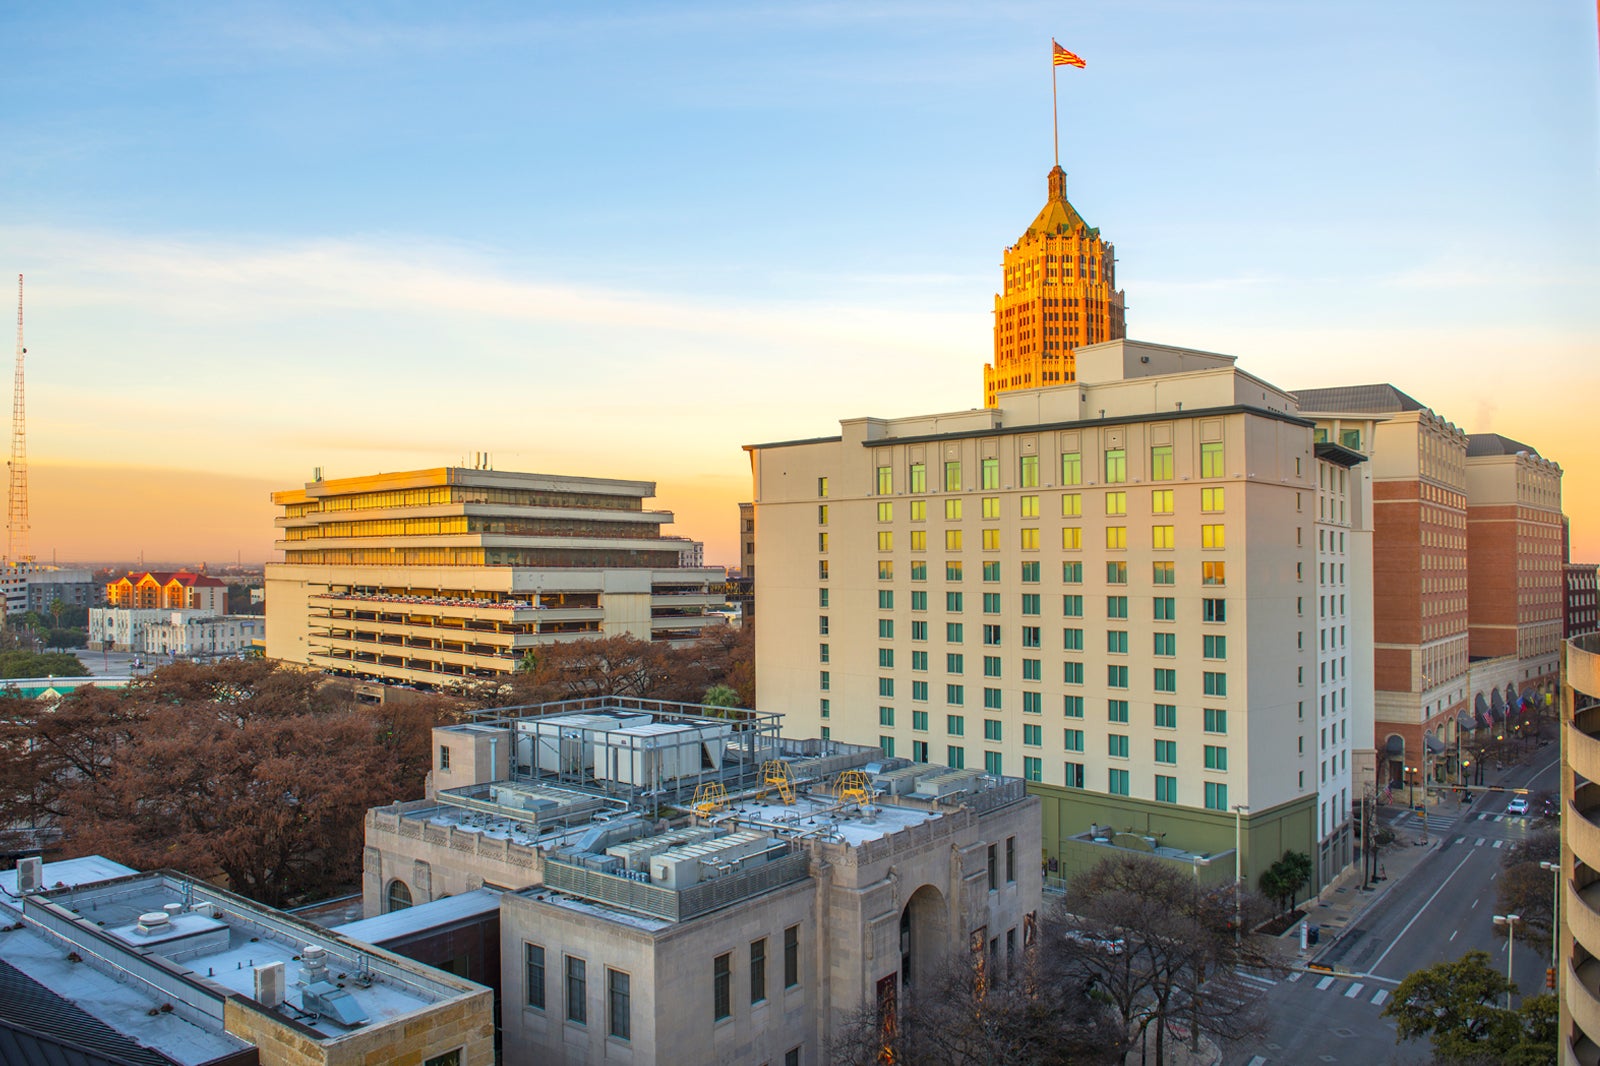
x: 153, y: 922
x: 313, y: 965
x: 333, y: 1003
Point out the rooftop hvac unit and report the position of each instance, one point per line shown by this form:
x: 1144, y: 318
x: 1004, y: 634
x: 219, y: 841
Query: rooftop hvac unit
x: 332, y: 1003
x: 269, y: 984
x: 30, y: 874
x: 937, y: 786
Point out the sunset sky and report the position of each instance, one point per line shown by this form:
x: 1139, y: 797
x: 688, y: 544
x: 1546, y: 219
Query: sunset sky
x: 625, y: 239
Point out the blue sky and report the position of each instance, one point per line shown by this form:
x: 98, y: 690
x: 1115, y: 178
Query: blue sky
x: 627, y: 239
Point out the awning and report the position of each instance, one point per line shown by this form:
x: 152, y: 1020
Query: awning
x: 1511, y: 692
x: 1396, y: 745
x: 1483, y: 720
x: 1434, y: 745
x: 1465, y: 720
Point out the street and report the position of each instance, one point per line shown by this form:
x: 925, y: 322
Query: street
x: 1440, y: 910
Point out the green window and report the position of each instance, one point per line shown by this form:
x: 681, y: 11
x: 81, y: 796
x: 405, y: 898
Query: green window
x: 1072, y: 639
x: 886, y: 658
x: 991, y: 571
x: 919, y: 691
x: 952, y: 570
x: 952, y: 602
x: 1216, y: 757
x: 1161, y: 462
x: 1166, y: 680
x: 919, y: 661
x: 991, y: 666
x: 1117, y: 745
x: 993, y: 764
x: 1216, y: 796
x: 991, y: 473
x: 1073, y: 739
x: 1030, y: 573
x: 1166, y: 608
x: 1032, y: 735
x: 1032, y: 768
x: 886, y: 629
x: 1211, y: 464
x: 1216, y: 720
x: 1033, y: 703
x: 991, y: 603
x: 1029, y: 472
x: 955, y: 757
x: 1116, y: 466
x: 1072, y: 673
x: 955, y: 695
x: 1164, y: 573
x: 1117, y: 641
x: 919, y: 570
x: 1032, y: 670
x: 1116, y: 606
x: 1116, y: 676
x: 1166, y: 716
x: 991, y: 699
x: 1117, y: 782
x: 919, y: 600
x: 1166, y: 789
x: 1167, y: 751
x: 887, y: 744
x: 1216, y: 647
x: 1030, y: 603
x: 886, y: 717
x: 1073, y: 775
x: 886, y: 686
x: 954, y: 663
x: 952, y: 632
x: 919, y: 721
x: 1031, y: 637
x: 1117, y: 711
x: 886, y: 599
x: 1166, y: 644
x: 955, y: 725
x: 1215, y: 684
x: 919, y: 631
x: 1072, y: 606
x: 919, y: 477
x: 952, y: 477
x: 1072, y: 468
x: 991, y: 729
x: 1073, y: 707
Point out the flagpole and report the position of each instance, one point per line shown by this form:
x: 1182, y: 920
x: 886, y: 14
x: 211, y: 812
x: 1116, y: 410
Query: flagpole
x: 1055, y: 119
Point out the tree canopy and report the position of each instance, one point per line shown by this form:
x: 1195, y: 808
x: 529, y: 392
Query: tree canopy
x: 721, y: 662
x: 16, y: 662
x: 1456, y: 1005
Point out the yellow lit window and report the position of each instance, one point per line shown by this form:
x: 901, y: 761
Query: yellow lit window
x: 952, y: 510
x: 919, y: 510
x: 1117, y: 538
x: 1213, y: 537
x: 822, y: 542
x: 952, y: 540
x: 991, y: 507
x: 1071, y: 505
x: 1214, y: 573
x: 886, y: 512
x: 886, y: 540
x: 919, y: 540
x: 991, y: 540
x: 1030, y: 540
x: 1211, y: 499
x: 1072, y: 539
x: 1116, y: 503
x: 1161, y: 462
x: 1072, y: 468
x: 1029, y: 473
x: 1161, y: 538
x: 1211, y: 460
x: 885, y: 480
x: 1030, y: 507
x: 1161, y: 501
x: 822, y: 514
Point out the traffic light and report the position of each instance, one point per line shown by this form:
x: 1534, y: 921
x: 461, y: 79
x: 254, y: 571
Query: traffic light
x: 1550, y: 977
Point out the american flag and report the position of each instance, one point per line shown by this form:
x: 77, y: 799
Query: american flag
x: 1062, y: 58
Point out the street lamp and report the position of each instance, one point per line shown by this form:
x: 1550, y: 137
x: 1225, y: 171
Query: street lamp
x: 1238, y: 869
x: 1411, y: 780
x: 1555, y: 912
x: 1510, y: 922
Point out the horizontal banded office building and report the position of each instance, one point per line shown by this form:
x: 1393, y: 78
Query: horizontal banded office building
x: 1109, y: 588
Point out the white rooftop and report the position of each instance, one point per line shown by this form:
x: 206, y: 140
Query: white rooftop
x: 386, y: 927
x: 86, y: 870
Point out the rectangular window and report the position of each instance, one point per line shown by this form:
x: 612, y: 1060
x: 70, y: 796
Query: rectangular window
x: 886, y: 540
x: 1161, y: 462
x: 991, y: 473
x: 577, y: 991
x: 952, y: 632
x: 1032, y: 768
x: 919, y: 751
x: 822, y: 569
x: 1117, y: 538
x: 1116, y: 606
x: 919, y: 661
x: 533, y: 965
x: 1117, y: 782
x: 1033, y: 703
x: 886, y: 629
x: 791, y: 956
x: 822, y: 486
x: 886, y: 599
x: 1072, y: 673
x: 1030, y: 573
x: 1072, y: 468
x: 823, y: 680
x: 919, y: 569
x: 952, y: 602
x: 1028, y: 475
x: 1166, y: 680
x: 919, y: 630
x: 886, y: 687
x: 952, y: 510
x: 1216, y: 647
x: 887, y: 744
x: 952, y: 570
x: 919, y: 477
x: 991, y: 507
x: 1117, y: 641
x: 952, y: 540
x: 991, y: 666
x: 919, y: 600
x: 991, y: 540
x: 1117, y: 711
x: 444, y: 757
x: 1161, y: 501
x: 1216, y: 720
x: 1117, y: 573
x: 991, y: 635
x: 1032, y: 670
x: 885, y: 480
x: 722, y: 987
x: 1072, y: 706
x: 1030, y: 603
x: 1031, y: 637
x: 1071, y: 539
x: 1028, y: 539
x: 1116, y: 503
x: 1072, y: 505
x: 1167, y: 751
x: 1211, y: 459
x: 886, y: 511
x: 822, y: 514
x: 919, y: 721
x: 1116, y: 466
x: 1214, y: 610
x: 619, y: 1004
x: 991, y: 699
x: 1166, y: 789
x: 824, y: 707
x: 955, y: 757
x: 1213, y: 536
x: 1072, y: 639
x: 1216, y: 757
x: 822, y: 597
x: 822, y: 624
x: 1216, y: 796
x: 1072, y: 606
x: 993, y: 764
x: 1166, y: 716
x: 885, y: 569
x: 822, y: 653
x: 1166, y: 644
x: 991, y: 572
x: 1072, y: 775
x: 1028, y: 507
x: 952, y: 476
x: 1163, y: 573
x: 991, y: 729
x: 1032, y: 735
x: 955, y: 725
x: 1073, y: 739
x: 1216, y: 684
x: 955, y: 695
x: 954, y: 662
x: 1072, y: 573
x: 919, y: 543
x: 1161, y: 538
x: 1212, y: 500
x: 822, y: 542
x: 1213, y: 572
x: 919, y: 510
x: 886, y: 717
x: 991, y: 603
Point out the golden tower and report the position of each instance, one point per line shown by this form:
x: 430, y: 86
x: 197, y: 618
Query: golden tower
x: 1060, y: 294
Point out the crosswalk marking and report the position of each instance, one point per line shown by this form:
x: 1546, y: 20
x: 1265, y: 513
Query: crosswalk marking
x: 1497, y: 843
x: 1382, y: 994
x: 1257, y: 1060
x: 1262, y: 981
x: 1323, y: 984
x: 1461, y: 840
x: 1295, y: 976
x: 1354, y: 990
x: 1479, y: 844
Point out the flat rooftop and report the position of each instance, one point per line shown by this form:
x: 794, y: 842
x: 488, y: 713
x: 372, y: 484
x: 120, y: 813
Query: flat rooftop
x: 155, y: 956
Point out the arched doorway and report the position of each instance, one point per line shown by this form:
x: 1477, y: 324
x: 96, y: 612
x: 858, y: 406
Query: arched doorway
x: 924, y: 935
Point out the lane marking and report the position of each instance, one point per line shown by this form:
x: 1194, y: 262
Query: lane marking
x: 1353, y: 991
x: 1453, y: 933
x: 1383, y: 994
x: 1474, y: 905
x: 1420, y: 911
x: 1323, y: 984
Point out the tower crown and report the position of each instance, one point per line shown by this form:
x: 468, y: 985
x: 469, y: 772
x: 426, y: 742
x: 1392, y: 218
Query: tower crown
x: 1058, y: 216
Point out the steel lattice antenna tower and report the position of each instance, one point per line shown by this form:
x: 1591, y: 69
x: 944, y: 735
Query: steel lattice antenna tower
x: 17, y: 497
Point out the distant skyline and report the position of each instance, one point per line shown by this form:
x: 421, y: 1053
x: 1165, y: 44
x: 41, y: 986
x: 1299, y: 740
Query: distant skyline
x: 625, y: 241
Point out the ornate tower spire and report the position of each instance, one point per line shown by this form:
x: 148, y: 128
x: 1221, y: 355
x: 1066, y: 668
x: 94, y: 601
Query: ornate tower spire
x: 1059, y: 293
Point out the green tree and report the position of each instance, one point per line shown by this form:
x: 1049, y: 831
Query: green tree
x: 1455, y: 1004
x: 720, y: 695
x: 21, y: 663
x: 1284, y: 879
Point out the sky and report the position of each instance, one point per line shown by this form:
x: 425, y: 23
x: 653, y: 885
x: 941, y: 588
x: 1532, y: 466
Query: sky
x: 627, y: 239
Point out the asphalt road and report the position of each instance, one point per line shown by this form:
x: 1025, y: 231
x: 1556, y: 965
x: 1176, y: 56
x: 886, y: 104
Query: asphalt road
x: 1440, y: 910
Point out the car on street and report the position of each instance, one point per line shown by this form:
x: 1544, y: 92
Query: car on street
x: 1518, y: 806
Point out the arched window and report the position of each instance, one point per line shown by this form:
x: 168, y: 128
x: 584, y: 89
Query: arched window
x: 399, y: 897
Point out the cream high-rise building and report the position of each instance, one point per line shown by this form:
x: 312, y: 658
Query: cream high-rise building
x: 443, y: 575
x: 1109, y: 588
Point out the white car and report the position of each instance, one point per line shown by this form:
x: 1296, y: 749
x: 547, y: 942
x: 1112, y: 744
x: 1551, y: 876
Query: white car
x: 1518, y: 806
